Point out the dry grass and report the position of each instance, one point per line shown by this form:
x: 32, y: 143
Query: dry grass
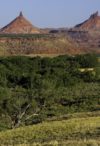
x: 76, y: 131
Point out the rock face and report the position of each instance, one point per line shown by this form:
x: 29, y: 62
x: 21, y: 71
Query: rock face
x: 92, y: 23
x: 20, y: 25
x: 87, y: 34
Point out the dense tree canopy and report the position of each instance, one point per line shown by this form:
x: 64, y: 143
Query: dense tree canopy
x: 33, y: 89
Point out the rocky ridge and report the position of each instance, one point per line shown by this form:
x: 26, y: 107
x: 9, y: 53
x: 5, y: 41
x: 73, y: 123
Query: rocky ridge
x: 20, y: 25
x: 93, y: 23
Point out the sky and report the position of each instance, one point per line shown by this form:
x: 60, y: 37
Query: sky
x: 48, y: 13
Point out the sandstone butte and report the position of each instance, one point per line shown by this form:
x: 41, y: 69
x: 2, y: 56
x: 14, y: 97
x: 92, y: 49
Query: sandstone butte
x: 93, y: 23
x: 20, y: 25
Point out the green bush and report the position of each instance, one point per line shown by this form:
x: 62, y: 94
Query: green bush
x: 46, y: 87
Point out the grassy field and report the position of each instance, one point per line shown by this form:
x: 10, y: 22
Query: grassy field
x: 79, y: 131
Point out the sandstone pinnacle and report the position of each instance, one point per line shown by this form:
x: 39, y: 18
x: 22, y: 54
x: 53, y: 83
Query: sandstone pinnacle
x: 20, y: 25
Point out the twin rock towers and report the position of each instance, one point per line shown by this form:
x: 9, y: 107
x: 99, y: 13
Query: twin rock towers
x: 20, y: 25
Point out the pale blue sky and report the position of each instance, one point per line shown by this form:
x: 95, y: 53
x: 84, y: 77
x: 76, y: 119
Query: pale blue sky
x: 48, y: 13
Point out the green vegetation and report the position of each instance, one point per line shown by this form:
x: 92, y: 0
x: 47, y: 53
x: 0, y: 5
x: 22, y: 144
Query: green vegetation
x: 35, y: 89
x: 61, y: 103
x: 76, y: 131
x: 25, y: 35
